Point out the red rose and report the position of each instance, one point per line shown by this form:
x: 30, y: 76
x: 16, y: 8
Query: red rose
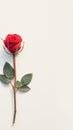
x: 13, y: 42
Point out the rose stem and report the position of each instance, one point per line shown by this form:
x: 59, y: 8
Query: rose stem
x: 12, y: 85
x: 14, y: 63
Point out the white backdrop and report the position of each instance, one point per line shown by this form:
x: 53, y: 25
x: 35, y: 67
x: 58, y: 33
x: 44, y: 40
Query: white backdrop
x: 47, y: 29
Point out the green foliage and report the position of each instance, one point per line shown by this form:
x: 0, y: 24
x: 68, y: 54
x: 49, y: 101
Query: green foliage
x: 24, y: 88
x: 18, y: 84
x: 26, y: 79
x: 8, y: 71
x: 8, y: 75
x: 4, y: 79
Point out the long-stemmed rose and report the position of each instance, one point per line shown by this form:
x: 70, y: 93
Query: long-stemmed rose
x: 12, y: 43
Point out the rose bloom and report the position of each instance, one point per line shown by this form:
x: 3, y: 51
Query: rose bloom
x: 13, y: 42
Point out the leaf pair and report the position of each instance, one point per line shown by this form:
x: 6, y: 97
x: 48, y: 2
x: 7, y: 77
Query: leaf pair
x: 22, y: 85
x: 8, y: 73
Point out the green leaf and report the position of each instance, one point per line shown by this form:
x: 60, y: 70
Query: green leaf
x: 24, y: 89
x: 18, y: 84
x: 4, y: 79
x: 26, y: 79
x: 8, y: 71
